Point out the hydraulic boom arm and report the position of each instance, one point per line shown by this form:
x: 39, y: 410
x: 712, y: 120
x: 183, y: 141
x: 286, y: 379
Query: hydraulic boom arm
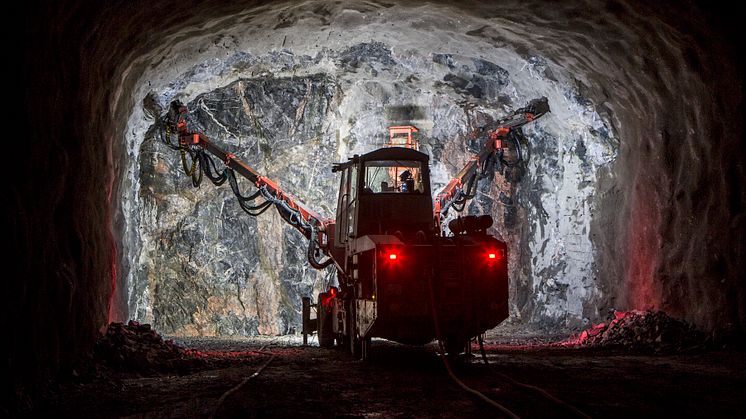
x: 462, y: 187
x: 295, y: 213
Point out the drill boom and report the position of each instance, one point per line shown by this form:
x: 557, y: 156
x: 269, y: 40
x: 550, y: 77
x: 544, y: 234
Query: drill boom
x: 454, y: 191
x: 272, y: 190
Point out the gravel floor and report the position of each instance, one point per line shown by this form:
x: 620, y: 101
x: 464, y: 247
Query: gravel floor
x: 406, y: 381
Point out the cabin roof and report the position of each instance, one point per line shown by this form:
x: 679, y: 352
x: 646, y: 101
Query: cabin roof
x: 395, y: 153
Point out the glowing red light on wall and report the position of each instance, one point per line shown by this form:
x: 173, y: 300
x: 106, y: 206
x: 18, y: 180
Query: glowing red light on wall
x: 392, y: 256
x: 492, y: 256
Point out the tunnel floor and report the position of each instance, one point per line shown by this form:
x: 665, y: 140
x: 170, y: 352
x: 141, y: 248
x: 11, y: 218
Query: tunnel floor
x: 405, y: 381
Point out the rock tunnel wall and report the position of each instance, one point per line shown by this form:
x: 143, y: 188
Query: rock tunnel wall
x: 211, y: 269
x: 665, y: 202
x: 291, y: 122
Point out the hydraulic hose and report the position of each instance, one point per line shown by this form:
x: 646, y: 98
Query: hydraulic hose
x: 234, y: 186
x: 208, y: 165
x: 512, y: 136
x: 203, y: 165
x: 187, y: 169
x: 312, y: 246
x: 439, y: 336
x: 165, y: 135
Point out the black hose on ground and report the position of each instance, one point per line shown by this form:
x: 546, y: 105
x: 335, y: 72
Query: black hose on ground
x: 243, y: 382
x: 447, y: 365
x: 536, y: 389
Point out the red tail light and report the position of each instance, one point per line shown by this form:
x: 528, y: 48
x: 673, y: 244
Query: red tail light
x: 392, y: 256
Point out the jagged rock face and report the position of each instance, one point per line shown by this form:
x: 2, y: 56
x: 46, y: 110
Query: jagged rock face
x: 210, y: 269
x: 597, y: 217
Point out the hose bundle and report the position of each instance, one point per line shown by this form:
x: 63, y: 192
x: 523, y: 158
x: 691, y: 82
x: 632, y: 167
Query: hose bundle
x: 202, y: 165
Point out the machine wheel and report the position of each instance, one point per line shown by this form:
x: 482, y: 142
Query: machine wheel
x: 325, y: 332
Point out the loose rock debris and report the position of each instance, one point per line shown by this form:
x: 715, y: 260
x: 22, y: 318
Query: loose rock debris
x: 644, y: 331
x: 138, y: 348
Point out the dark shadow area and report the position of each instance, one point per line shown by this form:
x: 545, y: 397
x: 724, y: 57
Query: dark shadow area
x: 402, y: 380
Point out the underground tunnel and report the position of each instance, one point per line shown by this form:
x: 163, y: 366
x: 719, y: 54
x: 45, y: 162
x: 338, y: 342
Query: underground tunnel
x: 625, y: 212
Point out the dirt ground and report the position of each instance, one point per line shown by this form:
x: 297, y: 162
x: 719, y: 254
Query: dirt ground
x: 404, y: 381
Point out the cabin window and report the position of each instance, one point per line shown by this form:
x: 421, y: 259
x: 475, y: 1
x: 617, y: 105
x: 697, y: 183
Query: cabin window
x: 393, y: 176
x: 341, y: 228
x: 352, y: 202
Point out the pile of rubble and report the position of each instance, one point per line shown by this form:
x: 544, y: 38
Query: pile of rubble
x: 137, y: 348
x: 644, y: 331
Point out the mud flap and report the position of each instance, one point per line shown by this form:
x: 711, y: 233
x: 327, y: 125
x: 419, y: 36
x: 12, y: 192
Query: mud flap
x: 363, y: 318
x: 366, y: 312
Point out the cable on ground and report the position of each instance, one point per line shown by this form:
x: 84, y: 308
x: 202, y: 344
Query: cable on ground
x: 245, y: 380
x: 447, y: 365
x: 536, y: 389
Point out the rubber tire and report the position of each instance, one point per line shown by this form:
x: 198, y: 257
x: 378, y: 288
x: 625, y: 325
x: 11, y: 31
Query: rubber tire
x: 325, y: 331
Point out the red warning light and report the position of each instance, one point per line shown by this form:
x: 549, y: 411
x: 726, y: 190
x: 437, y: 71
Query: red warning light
x: 392, y: 256
x: 492, y: 256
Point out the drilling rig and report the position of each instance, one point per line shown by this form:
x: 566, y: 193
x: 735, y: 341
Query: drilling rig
x: 400, y: 275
